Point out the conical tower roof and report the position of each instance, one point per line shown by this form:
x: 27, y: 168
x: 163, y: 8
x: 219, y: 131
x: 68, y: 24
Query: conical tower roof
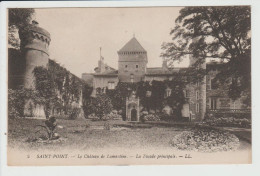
x: 132, y: 45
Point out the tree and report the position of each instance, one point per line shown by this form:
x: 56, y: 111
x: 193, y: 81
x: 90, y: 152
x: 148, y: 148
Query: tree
x: 222, y: 33
x: 18, y: 18
x: 44, y: 84
x: 157, y: 96
x: 118, y: 95
x: 145, y: 98
x: 176, y: 99
x: 60, y: 89
x: 86, y: 100
x: 101, y: 105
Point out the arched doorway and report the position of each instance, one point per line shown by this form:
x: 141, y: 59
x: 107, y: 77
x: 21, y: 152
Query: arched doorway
x: 133, y: 115
x: 132, y: 108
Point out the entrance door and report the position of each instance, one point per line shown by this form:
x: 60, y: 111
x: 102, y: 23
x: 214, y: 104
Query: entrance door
x: 133, y: 115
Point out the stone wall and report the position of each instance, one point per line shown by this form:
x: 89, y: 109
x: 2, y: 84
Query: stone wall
x: 219, y: 95
x: 100, y: 81
x: 132, y: 64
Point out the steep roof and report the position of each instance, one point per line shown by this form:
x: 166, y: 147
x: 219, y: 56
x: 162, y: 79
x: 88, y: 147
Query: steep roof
x: 132, y: 45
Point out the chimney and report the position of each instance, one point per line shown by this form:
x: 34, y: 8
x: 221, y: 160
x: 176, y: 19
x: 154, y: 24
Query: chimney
x: 164, y: 64
x: 101, y: 65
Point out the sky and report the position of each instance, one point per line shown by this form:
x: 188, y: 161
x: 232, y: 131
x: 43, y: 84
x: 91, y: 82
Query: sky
x: 78, y: 33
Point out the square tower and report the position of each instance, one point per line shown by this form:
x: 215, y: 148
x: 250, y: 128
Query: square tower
x: 132, y: 62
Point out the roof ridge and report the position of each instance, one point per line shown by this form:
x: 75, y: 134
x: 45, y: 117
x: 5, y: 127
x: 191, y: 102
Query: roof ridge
x: 132, y: 45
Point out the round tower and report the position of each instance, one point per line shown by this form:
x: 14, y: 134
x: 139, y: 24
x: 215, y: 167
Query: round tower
x: 34, y: 46
x: 35, y: 43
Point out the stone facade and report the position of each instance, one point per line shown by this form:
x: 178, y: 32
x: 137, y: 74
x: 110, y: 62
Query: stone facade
x: 217, y: 96
x: 132, y: 67
x: 132, y: 61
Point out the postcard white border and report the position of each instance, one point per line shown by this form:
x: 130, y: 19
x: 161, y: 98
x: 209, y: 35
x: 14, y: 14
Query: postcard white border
x: 194, y: 170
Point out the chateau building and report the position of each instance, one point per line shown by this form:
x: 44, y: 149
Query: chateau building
x: 202, y: 97
x: 132, y: 67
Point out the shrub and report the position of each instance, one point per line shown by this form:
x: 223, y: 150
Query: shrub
x: 16, y: 101
x: 100, y: 105
x: 205, y: 140
x: 15, y: 104
x: 144, y: 113
x: 112, y: 116
x: 73, y: 113
x: 93, y: 117
x: 240, y: 115
x: 228, y: 121
x: 106, y: 126
x: 166, y: 117
x: 49, y: 127
x: 151, y: 117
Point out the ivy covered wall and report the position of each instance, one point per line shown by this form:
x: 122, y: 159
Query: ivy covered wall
x: 57, y: 91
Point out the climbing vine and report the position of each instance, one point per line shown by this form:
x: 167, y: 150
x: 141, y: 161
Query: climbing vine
x: 60, y: 89
x: 17, y: 98
x: 152, y: 94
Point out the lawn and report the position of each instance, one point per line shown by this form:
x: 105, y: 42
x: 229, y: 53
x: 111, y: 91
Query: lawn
x: 86, y: 135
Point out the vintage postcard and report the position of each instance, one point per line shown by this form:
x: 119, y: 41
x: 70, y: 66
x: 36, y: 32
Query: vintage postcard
x: 129, y: 85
